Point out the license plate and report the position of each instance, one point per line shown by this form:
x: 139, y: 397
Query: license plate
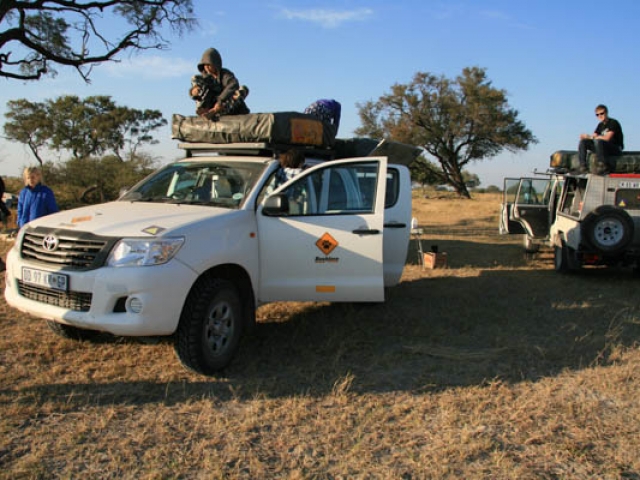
x: 57, y: 281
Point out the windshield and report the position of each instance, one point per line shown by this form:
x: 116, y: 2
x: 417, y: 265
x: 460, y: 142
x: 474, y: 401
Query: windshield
x: 217, y: 183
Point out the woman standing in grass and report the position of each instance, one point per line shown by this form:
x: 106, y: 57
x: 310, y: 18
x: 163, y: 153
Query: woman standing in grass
x: 35, y: 200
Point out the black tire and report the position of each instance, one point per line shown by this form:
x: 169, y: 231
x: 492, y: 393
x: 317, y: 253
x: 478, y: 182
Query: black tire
x: 608, y: 230
x: 210, y: 326
x: 72, y: 333
x: 560, y: 259
x: 565, y: 259
x: 530, y: 246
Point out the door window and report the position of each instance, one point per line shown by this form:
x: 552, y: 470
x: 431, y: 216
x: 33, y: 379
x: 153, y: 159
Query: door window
x: 335, y: 190
x: 533, y: 191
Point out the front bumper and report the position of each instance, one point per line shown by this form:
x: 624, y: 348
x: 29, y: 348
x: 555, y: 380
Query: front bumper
x: 129, y: 301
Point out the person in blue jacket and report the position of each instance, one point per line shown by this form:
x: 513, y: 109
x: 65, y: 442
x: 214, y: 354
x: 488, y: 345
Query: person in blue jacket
x: 35, y: 200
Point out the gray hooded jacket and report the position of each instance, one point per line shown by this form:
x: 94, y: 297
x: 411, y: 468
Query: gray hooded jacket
x: 227, y: 79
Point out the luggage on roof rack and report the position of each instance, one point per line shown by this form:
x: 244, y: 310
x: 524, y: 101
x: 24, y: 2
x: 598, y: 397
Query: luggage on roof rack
x: 628, y: 162
x: 291, y: 128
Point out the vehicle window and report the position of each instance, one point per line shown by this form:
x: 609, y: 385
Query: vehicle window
x: 392, y: 191
x: 368, y: 184
x: 219, y: 183
x: 533, y: 191
x: 511, y: 189
x: 573, y: 197
x: 628, y: 198
x: 335, y: 190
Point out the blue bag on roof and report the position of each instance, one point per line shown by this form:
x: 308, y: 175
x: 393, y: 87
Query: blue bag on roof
x: 327, y: 110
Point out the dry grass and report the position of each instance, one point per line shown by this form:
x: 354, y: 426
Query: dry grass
x: 496, y: 367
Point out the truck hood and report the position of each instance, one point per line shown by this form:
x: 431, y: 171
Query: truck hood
x: 130, y: 219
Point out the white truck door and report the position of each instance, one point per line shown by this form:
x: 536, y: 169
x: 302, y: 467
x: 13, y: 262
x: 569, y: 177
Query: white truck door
x: 397, y: 223
x: 323, y: 240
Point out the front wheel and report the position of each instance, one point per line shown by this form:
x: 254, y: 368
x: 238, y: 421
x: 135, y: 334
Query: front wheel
x: 210, y: 326
x: 565, y: 259
x: 530, y: 246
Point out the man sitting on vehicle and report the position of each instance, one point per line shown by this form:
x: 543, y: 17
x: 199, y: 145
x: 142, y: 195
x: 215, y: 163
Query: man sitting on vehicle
x: 607, y: 140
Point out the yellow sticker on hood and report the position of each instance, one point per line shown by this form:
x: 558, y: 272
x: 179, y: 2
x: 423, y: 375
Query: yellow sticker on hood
x: 153, y: 230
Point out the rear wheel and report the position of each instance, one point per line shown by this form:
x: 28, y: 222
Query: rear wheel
x: 210, y: 326
x: 608, y: 230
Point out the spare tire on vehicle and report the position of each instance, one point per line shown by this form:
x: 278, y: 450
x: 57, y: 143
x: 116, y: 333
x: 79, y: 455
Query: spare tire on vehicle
x: 608, y: 230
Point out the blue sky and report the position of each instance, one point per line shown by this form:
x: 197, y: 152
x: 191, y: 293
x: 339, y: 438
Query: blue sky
x: 556, y: 59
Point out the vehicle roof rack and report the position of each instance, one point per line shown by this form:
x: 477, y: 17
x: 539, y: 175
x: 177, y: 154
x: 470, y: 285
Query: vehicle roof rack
x: 344, y: 148
x: 252, y: 149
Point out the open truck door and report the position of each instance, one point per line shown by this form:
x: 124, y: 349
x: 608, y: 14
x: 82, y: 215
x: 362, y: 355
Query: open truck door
x: 529, y: 208
x: 509, y: 194
x: 321, y: 234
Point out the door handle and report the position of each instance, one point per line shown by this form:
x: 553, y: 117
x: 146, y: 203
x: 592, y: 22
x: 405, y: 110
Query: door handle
x: 395, y: 225
x: 366, y: 231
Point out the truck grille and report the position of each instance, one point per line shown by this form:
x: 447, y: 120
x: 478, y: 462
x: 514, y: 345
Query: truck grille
x: 78, y: 301
x: 68, y: 249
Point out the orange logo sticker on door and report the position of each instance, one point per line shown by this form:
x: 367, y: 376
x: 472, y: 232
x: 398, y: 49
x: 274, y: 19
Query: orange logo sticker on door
x: 326, y: 243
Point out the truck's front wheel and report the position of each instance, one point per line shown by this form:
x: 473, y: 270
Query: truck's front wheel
x: 565, y: 259
x: 210, y: 326
x: 530, y: 246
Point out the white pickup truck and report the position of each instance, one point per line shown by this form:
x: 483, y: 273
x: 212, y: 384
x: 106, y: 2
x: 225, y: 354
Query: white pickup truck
x: 192, y: 250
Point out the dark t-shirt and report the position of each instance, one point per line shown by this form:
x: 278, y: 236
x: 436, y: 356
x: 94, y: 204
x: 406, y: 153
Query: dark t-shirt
x: 614, y: 126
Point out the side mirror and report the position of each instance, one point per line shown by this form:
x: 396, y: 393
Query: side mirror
x: 276, y: 205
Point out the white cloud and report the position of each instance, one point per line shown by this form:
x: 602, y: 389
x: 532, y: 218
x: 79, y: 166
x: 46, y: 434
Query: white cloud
x: 150, y: 67
x: 327, y: 18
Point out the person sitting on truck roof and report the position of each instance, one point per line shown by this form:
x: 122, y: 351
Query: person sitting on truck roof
x: 607, y: 140
x: 217, y: 90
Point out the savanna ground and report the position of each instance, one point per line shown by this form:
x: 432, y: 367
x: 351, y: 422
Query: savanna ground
x: 496, y: 367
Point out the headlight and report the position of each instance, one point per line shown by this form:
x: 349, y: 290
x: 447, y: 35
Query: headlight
x: 130, y: 252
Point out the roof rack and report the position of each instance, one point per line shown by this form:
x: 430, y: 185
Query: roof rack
x: 344, y: 148
x: 252, y: 149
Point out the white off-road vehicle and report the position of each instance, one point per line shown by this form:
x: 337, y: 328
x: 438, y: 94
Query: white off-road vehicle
x: 587, y: 219
x: 193, y: 250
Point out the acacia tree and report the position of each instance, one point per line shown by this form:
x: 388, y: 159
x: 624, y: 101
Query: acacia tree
x: 455, y: 121
x: 137, y: 128
x: 27, y: 124
x: 39, y: 35
x: 85, y: 127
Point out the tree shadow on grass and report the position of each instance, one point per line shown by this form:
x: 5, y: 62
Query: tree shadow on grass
x: 432, y: 333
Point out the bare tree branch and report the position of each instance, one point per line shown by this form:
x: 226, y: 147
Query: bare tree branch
x: 40, y: 35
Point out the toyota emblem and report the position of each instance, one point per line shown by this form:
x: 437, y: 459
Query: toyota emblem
x: 50, y: 243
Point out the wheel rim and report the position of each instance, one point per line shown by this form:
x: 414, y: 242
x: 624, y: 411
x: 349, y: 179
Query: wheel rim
x: 609, y: 232
x: 218, y: 327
